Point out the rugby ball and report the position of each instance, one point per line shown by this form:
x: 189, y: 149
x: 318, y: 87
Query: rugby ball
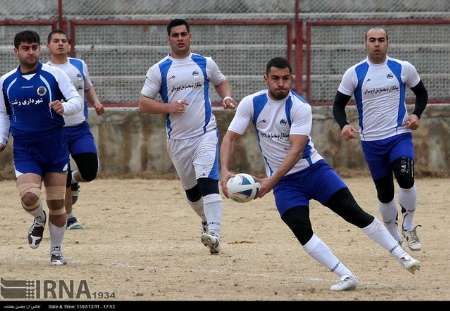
x: 242, y: 187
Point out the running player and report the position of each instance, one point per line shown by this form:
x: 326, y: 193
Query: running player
x: 182, y: 80
x: 34, y: 99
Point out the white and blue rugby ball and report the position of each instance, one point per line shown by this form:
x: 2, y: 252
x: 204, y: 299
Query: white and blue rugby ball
x: 242, y: 188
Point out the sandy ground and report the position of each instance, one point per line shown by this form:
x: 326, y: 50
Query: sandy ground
x: 142, y: 242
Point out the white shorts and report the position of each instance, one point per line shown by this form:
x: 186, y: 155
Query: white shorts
x: 195, y: 158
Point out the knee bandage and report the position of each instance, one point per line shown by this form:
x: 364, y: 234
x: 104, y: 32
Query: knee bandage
x: 57, y: 211
x: 56, y: 192
x: 27, y: 188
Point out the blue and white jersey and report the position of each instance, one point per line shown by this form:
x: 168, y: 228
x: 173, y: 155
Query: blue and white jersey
x: 185, y: 79
x: 78, y: 73
x: 380, y: 93
x: 274, y: 121
x: 24, y: 104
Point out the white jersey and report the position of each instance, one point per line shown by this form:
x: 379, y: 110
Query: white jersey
x: 274, y: 121
x: 78, y: 73
x: 379, y: 91
x: 185, y: 79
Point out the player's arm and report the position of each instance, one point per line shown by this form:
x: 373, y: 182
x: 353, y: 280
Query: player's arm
x: 298, y: 143
x: 4, y: 123
x: 221, y: 84
x: 236, y: 129
x: 147, y: 103
x: 73, y: 101
x: 90, y: 93
x: 226, y: 151
x: 413, y: 120
x: 92, y: 99
x: 343, y: 95
x: 224, y: 91
x: 150, y: 105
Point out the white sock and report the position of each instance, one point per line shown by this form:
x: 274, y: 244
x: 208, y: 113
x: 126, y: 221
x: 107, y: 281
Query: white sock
x: 212, y: 206
x: 389, y: 214
x: 407, y: 200
x: 318, y: 250
x: 56, y: 235
x: 197, y: 206
x: 37, y: 213
x: 378, y: 233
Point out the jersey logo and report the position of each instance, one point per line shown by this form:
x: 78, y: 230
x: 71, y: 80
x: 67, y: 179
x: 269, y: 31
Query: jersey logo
x: 283, y: 122
x: 171, y: 77
x: 195, y: 73
x: 41, y: 91
x: 389, y: 76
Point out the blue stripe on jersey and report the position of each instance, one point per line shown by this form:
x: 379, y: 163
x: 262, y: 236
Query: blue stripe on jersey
x: 307, y: 152
x: 396, y: 68
x: 298, y: 96
x: 287, y: 108
x: 164, y: 91
x: 201, y: 62
x: 77, y: 63
x: 214, y: 174
x: 361, y: 72
x: 258, y: 104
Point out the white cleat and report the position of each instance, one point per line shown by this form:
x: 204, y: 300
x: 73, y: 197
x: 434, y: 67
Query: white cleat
x: 412, y: 240
x: 211, y: 240
x: 56, y: 257
x: 347, y: 282
x: 410, y: 264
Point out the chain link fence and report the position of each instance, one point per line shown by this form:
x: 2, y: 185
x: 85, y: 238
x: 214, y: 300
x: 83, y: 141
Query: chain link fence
x: 190, y: 9
x: 373, y: 9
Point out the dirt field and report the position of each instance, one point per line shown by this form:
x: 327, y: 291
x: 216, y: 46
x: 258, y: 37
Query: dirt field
x: 142, y: 242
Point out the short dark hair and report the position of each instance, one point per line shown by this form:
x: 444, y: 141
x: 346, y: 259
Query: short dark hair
x: 279, y: 62
x: 177, y: 22
x: 62, y: 32
x: 27, y: 36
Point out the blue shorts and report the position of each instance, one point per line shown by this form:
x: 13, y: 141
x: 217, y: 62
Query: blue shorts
x: 318, y: 182
x: 380, y: 154
x: 80, y: 139
x: 45, y: 153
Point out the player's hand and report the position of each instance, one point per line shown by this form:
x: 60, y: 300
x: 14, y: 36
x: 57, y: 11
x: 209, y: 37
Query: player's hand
x: 99, y: 109
x: 412, y: 122
x: 178, y: 106
x: 267, y: 185
x: 57, y: 106
x: 228, y: 102
x: 349, y: 132
x: 225, y: 176
x: 2, y: 147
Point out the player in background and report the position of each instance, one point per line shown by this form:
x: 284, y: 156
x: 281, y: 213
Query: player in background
x: 297, y: 173
x: 378, y: 84
x: 78, y: 134
x: 182, y: 80
x: 34, y: 99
